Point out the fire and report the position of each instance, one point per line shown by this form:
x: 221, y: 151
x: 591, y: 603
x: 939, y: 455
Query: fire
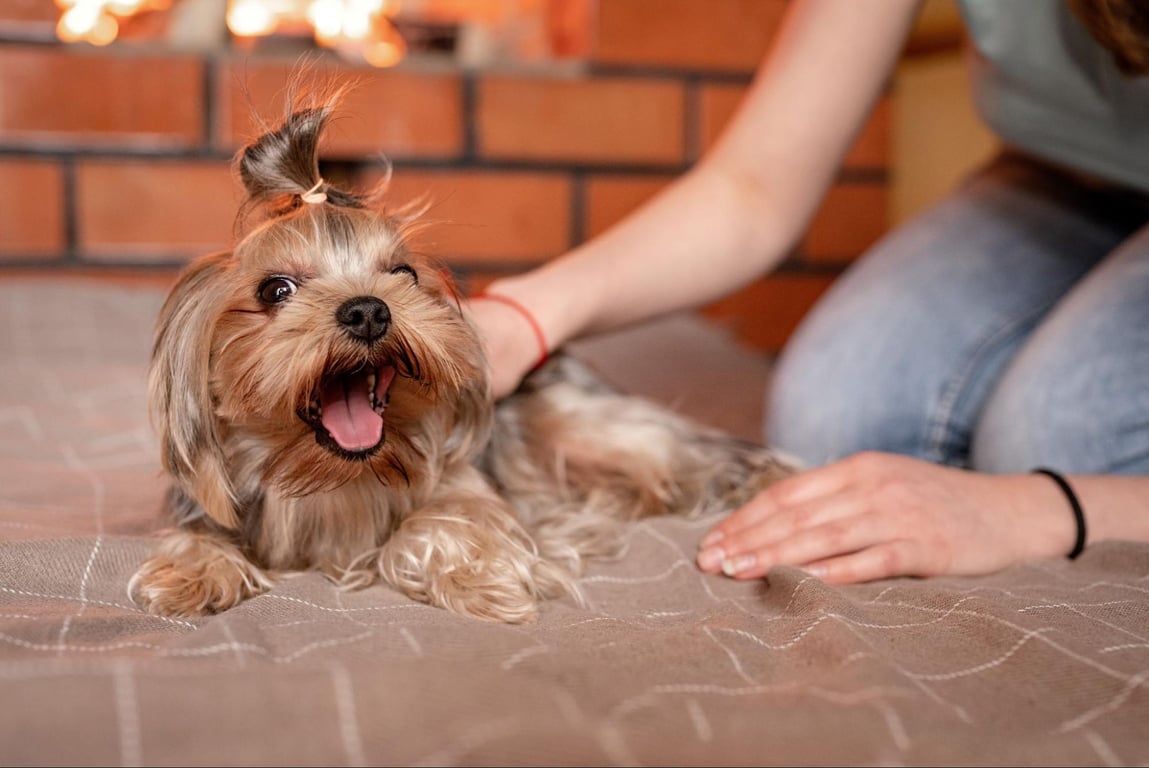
x: 97, y: 21
x: 366, y: 30
x: 360, y: 27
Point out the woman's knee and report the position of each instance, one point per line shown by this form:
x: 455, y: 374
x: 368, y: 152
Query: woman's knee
x: 903, y: 350
x: 831, y: 398
x: 1074, y: 398
x: 1033, y: 421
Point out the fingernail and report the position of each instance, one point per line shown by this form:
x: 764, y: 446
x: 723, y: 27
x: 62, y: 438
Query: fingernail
x: 711, y: 538
x: 817, y: 571
x: 711, y: 558
x: 734, y: 566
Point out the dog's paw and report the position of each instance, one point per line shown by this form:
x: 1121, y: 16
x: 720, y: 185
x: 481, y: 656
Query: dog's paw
x: 491, y: 585
x: 491, y: 590
x: 195, y: 577
x: 485, y: 591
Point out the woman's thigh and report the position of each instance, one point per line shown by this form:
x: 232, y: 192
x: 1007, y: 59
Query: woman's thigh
x: 902, y: 352
x: 1076, y: 396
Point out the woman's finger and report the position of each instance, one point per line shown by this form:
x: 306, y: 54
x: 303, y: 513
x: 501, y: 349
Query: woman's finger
x: 779, y: 526
x: 882, y: 561
x: 798, y: 489
x: 838, y: 537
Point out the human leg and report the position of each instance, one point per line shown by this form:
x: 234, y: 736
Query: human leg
x: 903, y: 351
x: 1076, y: 397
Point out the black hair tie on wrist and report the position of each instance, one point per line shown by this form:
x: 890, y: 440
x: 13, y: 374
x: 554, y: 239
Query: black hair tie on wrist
x: 1078, y: 514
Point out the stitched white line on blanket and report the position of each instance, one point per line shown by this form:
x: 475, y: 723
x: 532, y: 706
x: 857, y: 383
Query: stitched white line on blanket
x: 74, y: 462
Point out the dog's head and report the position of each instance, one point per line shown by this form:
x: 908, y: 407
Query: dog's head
x: 319, y: 349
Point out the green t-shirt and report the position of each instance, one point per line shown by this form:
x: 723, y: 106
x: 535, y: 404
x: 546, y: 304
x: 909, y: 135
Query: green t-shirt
x: 1046, y: 87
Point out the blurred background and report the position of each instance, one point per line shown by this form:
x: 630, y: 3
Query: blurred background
x: 531, y: 125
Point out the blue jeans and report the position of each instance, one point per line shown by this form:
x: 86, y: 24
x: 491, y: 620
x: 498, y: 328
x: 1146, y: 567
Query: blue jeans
x: 1006, y: 328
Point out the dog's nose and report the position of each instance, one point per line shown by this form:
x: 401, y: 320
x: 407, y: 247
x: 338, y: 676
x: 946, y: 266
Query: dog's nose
x: 365, y: 317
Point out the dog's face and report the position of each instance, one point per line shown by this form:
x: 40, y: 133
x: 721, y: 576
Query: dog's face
x: 319, y: 350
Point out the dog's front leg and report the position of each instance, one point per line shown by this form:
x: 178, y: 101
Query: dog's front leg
x: 466, y: 552
x: 194, y: 574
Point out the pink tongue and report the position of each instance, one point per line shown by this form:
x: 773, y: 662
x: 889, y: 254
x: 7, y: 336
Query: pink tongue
x: 347, y: 413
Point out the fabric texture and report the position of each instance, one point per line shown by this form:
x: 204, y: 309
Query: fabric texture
x: 1003, y: 329
x: 1045, y: 86
x: 1044, y: 664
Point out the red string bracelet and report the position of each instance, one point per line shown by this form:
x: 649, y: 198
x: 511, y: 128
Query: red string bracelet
x: 526, y: 313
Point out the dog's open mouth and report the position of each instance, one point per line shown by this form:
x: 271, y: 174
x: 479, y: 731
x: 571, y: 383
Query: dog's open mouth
x: 346, y: 411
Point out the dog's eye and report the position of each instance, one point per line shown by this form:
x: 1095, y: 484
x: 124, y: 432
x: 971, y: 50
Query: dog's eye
x: 405, y: 268
x: 276, y: 289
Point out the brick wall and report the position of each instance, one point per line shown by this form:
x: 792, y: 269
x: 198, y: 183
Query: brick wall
x: 118, y: 159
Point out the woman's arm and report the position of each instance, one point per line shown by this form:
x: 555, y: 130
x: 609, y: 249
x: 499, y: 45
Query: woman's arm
x: 877, y: 515
x: 739, y: 211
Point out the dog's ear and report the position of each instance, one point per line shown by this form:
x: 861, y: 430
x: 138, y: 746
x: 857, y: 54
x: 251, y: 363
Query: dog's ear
x: 179, y: 389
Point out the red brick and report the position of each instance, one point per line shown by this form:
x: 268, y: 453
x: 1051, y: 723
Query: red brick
x: 851, y: 219
x: 142, y: 209
x: 60, y: 96
x: 484, y: 217
x: 28, y: 16
x: 130, y: 277
x: 710, y: 34
x: 31, y: 219
x: 609, y: 120
x: 610, y: 198
x: 872, y: 147
x: 716, y: 105
x: 718, y: 102
x: 765, y: 313
x: 28, y: 19
x: 570, y: 27
x: 386, y: 112
x: 471, y: 283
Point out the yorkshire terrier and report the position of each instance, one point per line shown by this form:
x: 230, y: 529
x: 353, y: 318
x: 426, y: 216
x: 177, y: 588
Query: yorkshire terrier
x: 323, y: 404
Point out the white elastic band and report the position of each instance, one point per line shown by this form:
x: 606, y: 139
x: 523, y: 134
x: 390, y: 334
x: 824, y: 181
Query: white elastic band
x: 313, y: 195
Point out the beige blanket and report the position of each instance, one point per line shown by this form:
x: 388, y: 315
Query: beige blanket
x: 1047, y: 663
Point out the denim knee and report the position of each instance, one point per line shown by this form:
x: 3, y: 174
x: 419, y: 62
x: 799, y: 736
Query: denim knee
x: 1068, y: 407
x: 906, y: 350
x: 828, y: 403
x: 1036, y: 420
x: 1074, y: 398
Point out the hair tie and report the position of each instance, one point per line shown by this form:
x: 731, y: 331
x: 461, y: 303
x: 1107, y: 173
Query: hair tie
x: 314, y: 195
x: 526, y: 314
x: 1074, y: 504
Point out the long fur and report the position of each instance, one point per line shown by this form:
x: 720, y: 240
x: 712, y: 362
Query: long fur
x: 479, y: 510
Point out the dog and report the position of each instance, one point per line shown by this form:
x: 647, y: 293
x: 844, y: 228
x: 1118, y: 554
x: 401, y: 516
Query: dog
x: 323, y: 403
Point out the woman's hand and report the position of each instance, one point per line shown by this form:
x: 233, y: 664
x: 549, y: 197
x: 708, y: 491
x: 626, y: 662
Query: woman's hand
x: 510, y: 343
x: 878, y: 515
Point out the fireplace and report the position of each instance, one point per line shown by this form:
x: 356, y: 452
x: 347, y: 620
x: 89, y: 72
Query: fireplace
x: 380, y: 33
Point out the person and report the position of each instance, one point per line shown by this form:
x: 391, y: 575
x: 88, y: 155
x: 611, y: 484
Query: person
x: 1003, y: 331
